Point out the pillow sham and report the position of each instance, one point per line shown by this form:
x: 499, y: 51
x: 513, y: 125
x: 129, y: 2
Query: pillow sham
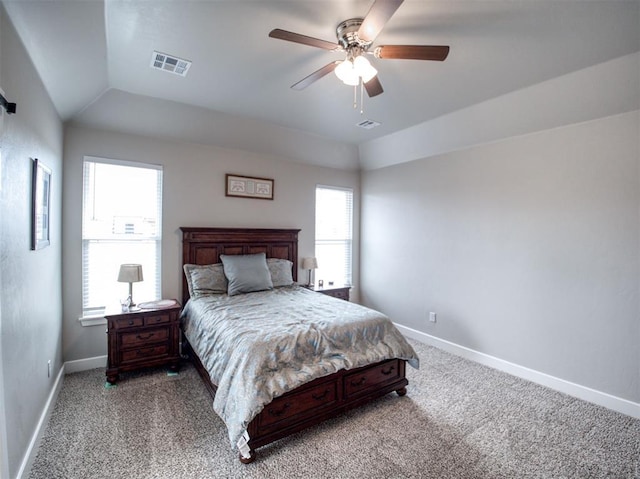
x: 246, y: 273
x: 281, y: 272
x: 205, y: 280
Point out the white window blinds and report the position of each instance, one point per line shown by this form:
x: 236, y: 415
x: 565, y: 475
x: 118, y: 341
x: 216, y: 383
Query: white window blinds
x: 121, y: 223
x: 334, y: 234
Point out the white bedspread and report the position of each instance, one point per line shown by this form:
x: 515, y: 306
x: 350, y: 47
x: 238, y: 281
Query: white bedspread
x: 258, y: 346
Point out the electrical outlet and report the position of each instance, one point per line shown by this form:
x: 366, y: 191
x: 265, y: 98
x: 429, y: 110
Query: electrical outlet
x: 49, y: 368
x: 432, y: 317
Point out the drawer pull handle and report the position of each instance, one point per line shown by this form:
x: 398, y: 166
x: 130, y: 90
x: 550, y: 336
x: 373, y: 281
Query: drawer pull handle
x: 388, y: 371
x: 363, y: 379
x: 131, y: 322
x: 321, y: 396
x: 281, y: 411
x: 148, y: 336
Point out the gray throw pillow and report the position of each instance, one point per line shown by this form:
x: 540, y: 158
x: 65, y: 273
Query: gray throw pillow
x: 281, y: 272
x: 246, y: 273
x: 205, y: 280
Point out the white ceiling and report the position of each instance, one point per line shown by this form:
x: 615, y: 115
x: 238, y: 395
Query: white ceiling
x: 94, y: 56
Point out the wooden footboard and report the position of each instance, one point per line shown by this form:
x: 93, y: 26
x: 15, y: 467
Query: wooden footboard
x: 314, y: 402
x: 325, y: 398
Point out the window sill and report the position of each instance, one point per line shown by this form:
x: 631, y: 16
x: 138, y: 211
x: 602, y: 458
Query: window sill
x: 96, y: 320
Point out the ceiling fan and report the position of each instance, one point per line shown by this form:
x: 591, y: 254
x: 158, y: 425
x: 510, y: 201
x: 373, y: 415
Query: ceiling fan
x: 355, y: 37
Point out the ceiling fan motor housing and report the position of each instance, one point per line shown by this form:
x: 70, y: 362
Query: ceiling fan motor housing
x: 347, y: 33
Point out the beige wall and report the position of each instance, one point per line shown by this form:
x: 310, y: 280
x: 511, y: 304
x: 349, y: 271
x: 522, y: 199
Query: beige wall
x: 193, y: 195
x: 528, y: 250
x: 30, y: 294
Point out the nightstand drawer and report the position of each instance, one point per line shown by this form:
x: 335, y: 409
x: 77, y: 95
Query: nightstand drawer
x: 145, y: 353
x: 144, y: 337
x: 340, y: 294
x: 157, y: 319
x: 123, y: 323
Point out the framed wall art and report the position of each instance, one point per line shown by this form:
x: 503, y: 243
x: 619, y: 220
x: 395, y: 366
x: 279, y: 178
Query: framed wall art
x: 40, y: 205
x: 249, y: 187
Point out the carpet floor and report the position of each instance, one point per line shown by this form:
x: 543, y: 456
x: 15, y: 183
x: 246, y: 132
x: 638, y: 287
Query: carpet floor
x: 458, y: 420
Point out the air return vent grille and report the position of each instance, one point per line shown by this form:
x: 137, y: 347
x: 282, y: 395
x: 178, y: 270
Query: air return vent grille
x: 169, y: 63
x: 368, y: 124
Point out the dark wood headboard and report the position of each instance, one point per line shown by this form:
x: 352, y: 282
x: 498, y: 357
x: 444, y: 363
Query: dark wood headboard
x: 205, y: 245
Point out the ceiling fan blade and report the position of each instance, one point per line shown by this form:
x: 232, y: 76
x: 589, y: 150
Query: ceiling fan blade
x: 412, y: 52
x: 373, y: 87
x: 316, y: 75
x: 379, y: 14
x: 305, y: 40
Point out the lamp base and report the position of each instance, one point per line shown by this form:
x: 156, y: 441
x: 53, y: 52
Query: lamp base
x: 130, y: 298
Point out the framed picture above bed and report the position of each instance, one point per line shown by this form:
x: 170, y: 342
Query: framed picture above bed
x: 40, y: 209
x: 249, y: 187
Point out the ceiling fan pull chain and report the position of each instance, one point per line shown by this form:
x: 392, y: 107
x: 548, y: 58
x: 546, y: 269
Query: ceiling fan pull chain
x: 355, y: 97
x: 361, y: 96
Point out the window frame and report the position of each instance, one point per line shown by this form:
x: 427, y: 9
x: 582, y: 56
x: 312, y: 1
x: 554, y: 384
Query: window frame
x: 93, y: 314
x: 348, y: 242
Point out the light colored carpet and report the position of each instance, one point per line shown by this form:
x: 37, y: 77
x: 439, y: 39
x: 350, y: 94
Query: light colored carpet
x: 458, y: 420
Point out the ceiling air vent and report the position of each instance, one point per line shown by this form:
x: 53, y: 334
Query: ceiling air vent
x: 171, y: 64
x: 368, y: 124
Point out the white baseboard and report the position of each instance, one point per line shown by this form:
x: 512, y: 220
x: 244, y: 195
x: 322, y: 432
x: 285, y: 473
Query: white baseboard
x: 34, y: 444
x: 85, y: 364
x: 600, y: 398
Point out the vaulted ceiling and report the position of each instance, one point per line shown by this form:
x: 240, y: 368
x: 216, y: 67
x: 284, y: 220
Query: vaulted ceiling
x: 94, y: 59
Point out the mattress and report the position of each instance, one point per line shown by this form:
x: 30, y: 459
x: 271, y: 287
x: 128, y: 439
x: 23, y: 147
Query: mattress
x: 258, y: 346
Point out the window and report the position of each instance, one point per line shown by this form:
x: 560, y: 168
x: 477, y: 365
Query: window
x: 334, y: 227
x: 121, y: 223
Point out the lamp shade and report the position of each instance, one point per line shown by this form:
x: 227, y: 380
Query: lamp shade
x: 364, y: 69
x: 130, y: 273
x: 347, y: 73
x: 309, y: 263
x: 350, y: 71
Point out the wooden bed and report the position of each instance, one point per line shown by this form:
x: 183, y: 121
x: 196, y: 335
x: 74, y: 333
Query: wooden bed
x: 310, y: 403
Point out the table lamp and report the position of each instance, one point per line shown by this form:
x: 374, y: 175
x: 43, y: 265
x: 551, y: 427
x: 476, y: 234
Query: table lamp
x: 130, y: 273
x: 309, y: 263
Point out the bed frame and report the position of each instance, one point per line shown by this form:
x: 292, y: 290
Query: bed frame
x: 310, y: 403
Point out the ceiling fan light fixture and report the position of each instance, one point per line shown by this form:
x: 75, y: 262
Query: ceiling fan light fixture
x: 364, y: 69
x: 350, y: 71
x: 347, y: 73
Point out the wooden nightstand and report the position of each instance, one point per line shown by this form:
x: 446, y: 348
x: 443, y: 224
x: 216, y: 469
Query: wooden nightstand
x: 142, y: 338
x: 337, y: 291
